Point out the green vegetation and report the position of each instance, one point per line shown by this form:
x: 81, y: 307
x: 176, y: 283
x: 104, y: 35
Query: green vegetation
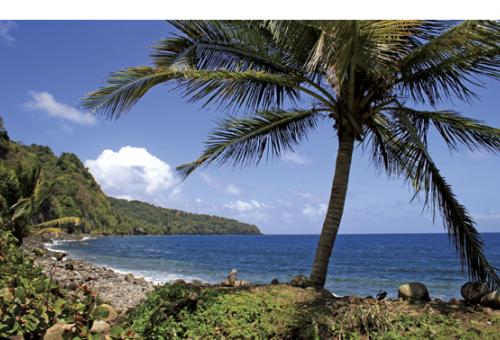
x: 31, y: 302
x: 360, y: 77
x: 284, y: 312
x: 36, y: 187
x: 135, y: 217
x: 66, y: 187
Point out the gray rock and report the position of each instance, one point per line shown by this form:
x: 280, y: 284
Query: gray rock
x: 413, y: 291
x: 472, y: 292
x: 325, y: 293
x: 241, y: 283
x: 109, y: 311
x: 491, y: 300
x: 179, y: 282
x: 59, y: 256
x: 71, y: 285
x: 57, y: 331
x: 299, y: 281
x: 197, y: 283
x: 232, y: 277
x: 100, y: 327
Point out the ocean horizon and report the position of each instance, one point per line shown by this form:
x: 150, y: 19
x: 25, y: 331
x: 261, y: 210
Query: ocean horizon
x: 361, y: 264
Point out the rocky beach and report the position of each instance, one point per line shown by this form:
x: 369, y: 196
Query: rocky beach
x: 122, y: 291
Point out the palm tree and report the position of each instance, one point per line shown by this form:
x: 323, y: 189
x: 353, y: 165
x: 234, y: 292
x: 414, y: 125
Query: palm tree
x: 362, y: 77
x: 20, y: 208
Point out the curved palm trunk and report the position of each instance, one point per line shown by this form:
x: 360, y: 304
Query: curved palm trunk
x: 334, y: 212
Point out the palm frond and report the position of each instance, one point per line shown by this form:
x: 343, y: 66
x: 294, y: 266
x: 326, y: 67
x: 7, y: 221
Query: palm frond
x: 22, y: 209
x: 456, y: 130
x: 222, y: 45
x: 448, y: 64
x: 123, y: 89
x: 51, y: 230
x: 58, y: 222
x: 244, y: 141
x: 252, y: 88
x: 408, y: 156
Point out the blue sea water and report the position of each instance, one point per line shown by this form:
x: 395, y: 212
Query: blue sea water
x: 360, y: 265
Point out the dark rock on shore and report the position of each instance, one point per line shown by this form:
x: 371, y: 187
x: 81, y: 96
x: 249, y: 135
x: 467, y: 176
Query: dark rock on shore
x: 491, y: 300
x: 472, y: 292
x: 299, y: 281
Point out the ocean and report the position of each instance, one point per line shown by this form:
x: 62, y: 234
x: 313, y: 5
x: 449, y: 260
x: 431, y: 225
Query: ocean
x: 360, y: 265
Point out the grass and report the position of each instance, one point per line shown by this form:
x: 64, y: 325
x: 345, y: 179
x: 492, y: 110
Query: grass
x: 284, y: 312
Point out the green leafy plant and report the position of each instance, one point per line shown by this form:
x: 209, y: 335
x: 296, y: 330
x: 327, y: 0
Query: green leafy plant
x: 31, y: 302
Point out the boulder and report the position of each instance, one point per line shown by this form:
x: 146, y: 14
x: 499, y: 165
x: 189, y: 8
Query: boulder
x: 413, y: 291
x: 241, y: 283
x: 472, y: 292
x: 299, y: 281
x: 179, y: 282
x: 275, y: 281
x: 59, y: 255
x: 197, y: 283
x: 232, y: 277
x: 325, y: 293
x: 454, y: 302
x: 69, y: 266
x: 71, y: 285
x: 100, y: 327
x: 56, y: 332
x: 491, y: 300
x: 106, y: 312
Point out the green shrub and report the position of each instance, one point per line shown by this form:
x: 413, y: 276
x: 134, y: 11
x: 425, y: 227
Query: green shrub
x: 31, y: 302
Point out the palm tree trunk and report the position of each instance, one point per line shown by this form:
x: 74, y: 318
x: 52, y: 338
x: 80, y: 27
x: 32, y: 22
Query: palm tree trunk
x: 335, y: 210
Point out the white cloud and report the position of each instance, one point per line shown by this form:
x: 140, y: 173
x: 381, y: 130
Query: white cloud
x: 251, y: 211
x: 227, y: 188
x: 243, y: 206
x: 5, y: 27
x: 314, y: 212
x: 294, y: 157
x: 134, y: 173
x: 44, y: 101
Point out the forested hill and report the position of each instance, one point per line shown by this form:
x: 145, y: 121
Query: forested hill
x: 68, y: 189
x: 159, y: 220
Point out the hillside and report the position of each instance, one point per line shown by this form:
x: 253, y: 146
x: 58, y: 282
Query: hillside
x: 136, y: 217
x: 71, y: 190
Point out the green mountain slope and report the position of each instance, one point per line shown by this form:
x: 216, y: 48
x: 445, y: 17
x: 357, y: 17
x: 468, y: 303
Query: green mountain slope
x: 71, y: 190
x: 137, y: 217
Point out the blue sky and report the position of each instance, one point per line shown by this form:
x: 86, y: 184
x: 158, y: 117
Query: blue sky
x: 46, y: 67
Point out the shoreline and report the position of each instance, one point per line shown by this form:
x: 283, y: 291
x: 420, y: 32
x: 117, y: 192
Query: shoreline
x: 122, y: 290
